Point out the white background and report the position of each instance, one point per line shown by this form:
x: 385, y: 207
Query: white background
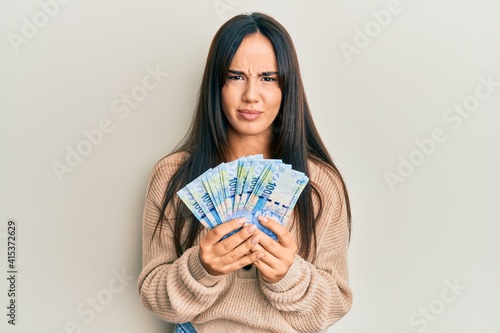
x: 436, y: 226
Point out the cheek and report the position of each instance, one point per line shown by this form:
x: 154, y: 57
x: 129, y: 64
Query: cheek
x: 229, y: 98
x: 225, y: 100
x: 274, y: 99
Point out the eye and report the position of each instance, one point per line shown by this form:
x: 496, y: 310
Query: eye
x: 234, y: 77
x: 268, y: 79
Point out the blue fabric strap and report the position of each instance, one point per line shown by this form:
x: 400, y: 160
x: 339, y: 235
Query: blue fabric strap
x: 184, y: 328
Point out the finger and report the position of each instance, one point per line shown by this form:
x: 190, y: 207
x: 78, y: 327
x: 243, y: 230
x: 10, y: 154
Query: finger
x: 244, y: 249
x: 263, y: 267
x: 269, y: 259
x: 229, y: 244
x: 243, y: 261
x: 280, y: 231
x: 270, y: 245
x: 216, y: 234
x: 276, y: 248
x: 271, y: 268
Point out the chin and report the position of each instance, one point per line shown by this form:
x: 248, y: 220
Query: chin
x: 254, y: 132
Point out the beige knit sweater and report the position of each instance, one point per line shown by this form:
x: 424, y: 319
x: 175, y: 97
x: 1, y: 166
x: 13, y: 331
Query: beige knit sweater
x: 312, y: 296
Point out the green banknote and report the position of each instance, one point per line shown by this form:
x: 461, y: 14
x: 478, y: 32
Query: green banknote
x: 248, y: 187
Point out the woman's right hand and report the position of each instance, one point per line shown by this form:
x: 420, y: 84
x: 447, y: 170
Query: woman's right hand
x: 220, y: 257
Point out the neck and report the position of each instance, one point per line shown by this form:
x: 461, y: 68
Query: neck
x: 239, y: 146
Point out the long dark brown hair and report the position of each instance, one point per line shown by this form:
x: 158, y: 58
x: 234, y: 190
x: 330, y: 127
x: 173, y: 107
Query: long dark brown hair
x: 295, y: 138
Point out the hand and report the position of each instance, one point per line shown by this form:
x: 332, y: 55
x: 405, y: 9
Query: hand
x: 279, y: 255
x: 220, y: 257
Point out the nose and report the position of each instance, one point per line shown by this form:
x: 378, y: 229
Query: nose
x: 251, y: 92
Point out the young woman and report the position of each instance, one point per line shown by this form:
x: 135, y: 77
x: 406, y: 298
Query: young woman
x: 251, y: 102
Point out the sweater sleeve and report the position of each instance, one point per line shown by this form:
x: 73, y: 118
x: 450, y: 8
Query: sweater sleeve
x: 314, y: 295
x: 175, y: 289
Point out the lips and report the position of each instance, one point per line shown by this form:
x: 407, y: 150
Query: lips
x: 249, y: 114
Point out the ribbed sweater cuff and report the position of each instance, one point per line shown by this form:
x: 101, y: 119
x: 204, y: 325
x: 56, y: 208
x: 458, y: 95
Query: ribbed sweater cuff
x: 295, y: 278
x: 199, y: 272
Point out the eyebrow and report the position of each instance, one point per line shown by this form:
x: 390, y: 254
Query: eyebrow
x: 269, y: 73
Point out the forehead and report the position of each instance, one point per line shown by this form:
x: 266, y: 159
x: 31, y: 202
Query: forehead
x: 256, y: 53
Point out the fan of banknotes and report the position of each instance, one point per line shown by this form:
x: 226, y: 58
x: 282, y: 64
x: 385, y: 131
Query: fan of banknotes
x: 248, y: 187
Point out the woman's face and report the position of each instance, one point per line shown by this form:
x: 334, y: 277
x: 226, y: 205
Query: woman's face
x: 251, y: 96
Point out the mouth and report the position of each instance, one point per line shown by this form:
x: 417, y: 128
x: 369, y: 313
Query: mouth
x: 249, y: 114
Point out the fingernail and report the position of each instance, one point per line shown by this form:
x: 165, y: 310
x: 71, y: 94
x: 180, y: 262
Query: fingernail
x: 255, y: 240
x: 241, y: 221
x: 263, y: 219
x: 252, y: 228
x: 259, y: 255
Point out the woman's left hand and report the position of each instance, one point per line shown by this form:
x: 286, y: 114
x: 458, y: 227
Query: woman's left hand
x: 279, y: 254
